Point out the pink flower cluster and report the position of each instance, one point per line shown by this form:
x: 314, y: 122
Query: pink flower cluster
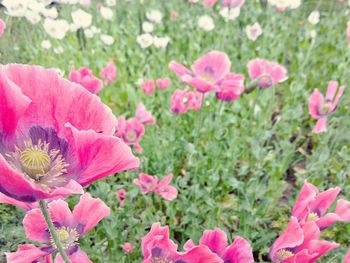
x: 148, y: 86
x: 131, y: 130
x: 300, y: 242
x: 149, y: 184
x: 213, y: 247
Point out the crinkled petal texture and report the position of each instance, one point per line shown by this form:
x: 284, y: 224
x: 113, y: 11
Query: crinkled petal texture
x: 37, y: 105
x: 215, y: 240
x: 28, y: 253
x: 231, y: 87
x: 77, y: 257
x: 239, y: 251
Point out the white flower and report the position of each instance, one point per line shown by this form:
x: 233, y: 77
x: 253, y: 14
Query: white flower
x: 85, y: 2
x: 253, y: 31
x: 37, y: 7
x: 107, y: 39
x: 230, y: 13
x: 147, y: 27
x: 95, y: 30
x: 110, y: 2
x: 293, y: 4
x: 56, y: 28
x: 32, y: 17
x: 145, y: 40
x: 73, y: 27
x: 154, y: 16
x: 50, y: 12
x: 106, y: 13
x: 313, y: 34
x: 206, y: 23
x: 314, y: 17
x: 58, y: 50
x: 15, y: 7
x: 89, y: 33
x: 161, y: 42
x: 81, y: 18
x: 46, y: 44
x: 283, y: 4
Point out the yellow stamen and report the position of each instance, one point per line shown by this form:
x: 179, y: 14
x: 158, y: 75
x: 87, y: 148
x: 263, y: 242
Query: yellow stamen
x: 312, y: 217
x: 35, y: 162
x: 284, y: 254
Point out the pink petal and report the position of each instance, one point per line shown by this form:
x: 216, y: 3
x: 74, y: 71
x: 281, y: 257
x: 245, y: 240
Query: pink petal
x: 63, y: 100
x: 278, y: 73
x: 347, y: 257
x: 324, y: 200
x: 337, y: 98
x: 100, y: 155
x: 13, y: 105
x: 301, y: 206
x: 311, y: 232
x: 321, y: 125
x: 168, y: 192
x: 239, y: 251
x: 213, y: 65
x: 255, y: 68
x: 321, y: 247
x: 165, y: 181
x: 89, y: 211
x: 343, y: 210
x: 35, y: 226
x: 201, y: 85
x: 316, y: 101
x: 143, y: 115
x: 198, y: 254
x: 77, y: 257
x: 331, y: 90
x: 231, y: 87
x: 179, y: 69
x: 60, y: 213
x: 209, y: 3
x: 26, y: 254
x: 215, y: 240
x: 4, y: 199
x: 327, y: 220
x: 290, y: 238
x: 189, y: 245
x: 2, y: 27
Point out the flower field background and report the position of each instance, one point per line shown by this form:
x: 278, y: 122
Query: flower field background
x: 237, y: 166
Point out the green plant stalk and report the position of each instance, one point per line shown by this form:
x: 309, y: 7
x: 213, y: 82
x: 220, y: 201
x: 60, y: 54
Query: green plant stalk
x: 53, y: 232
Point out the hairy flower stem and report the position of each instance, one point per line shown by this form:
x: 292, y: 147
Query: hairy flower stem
x: 46, y: 213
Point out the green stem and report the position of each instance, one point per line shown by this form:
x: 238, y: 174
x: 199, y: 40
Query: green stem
x: 53, y: 232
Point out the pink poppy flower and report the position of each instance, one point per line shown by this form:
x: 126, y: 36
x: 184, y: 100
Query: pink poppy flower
x: 311, y: 205
x: 320, y: 108
x: 29, y: 253
x: 85, y: 78
x: 232, y: 3
x: 52, y: 149
x: 207, y: 71
x: 2, y: 27
x: 209, y: 3
x: 266, y: 73
x: 165, y: 190
x: 163, y: 83
x: 157, y: 247
x: 128, y: 248
x: 130, y: 131
x: 26, y: 206
x: 239, y: 251
x: 181, y: 101
x: 148, y: 86
x: 231, y: 87
x: 109, y: 73
x: 300, y: 244
x: 143, y: 115
x: 347, y: 32
x: 147, y: 183
x: 70, y: 226
x: 121, y: 194
x: 196, y: 100
x: 173, y: 15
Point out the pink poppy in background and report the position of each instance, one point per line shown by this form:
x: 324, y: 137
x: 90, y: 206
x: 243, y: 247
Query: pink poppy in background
x: 109, y: 73
x: 266, y: 73
x: 347, y: 257
x: 209, y: 3
x: 128, y: 248
x: 158, y: 247
x: 232, y: 3
x: 239, y: 251
x: 320, y: 107
x: 300, y: 244
x: 312, y: 205
x: 148, y: 86
x: 130, y: 131
x: 347, y: 32
x: 163, y: 83
x: 196, y: 100
x: 206, y: 72
x: 147, y: 183
x: 165, y: 190
x: 231, y: 87
x: 143, y: 115
x: 181, y: 101
x: 86, y: 78
x: 2, y: 27
x: 173, y: 15
x: 52, y: 144
x: 121, y: 194
x: 70, y: 226
x: 29, y: 253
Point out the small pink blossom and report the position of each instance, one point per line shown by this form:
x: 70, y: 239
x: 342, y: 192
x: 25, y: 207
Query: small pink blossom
x: 143, y: 115
x: 232, y: 3
x: 181, y: 101
x: 163, y: 83
x: 109, y: 73
x: 2, y: 27
x: 128, y: 248
x: 231, y: 87
x: 320, y: 108
x: 173, y: 15
x: 312, y: 205
x: 300, y: 244
x: 121, y: 194
x: 196, y: 100
x: 147, y: 183
x: 85, y: 78
x: 148, y: 86
x: 165, y: 190
x: 130, y: 131
x: 206, y: 72
x: 266, y: 73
